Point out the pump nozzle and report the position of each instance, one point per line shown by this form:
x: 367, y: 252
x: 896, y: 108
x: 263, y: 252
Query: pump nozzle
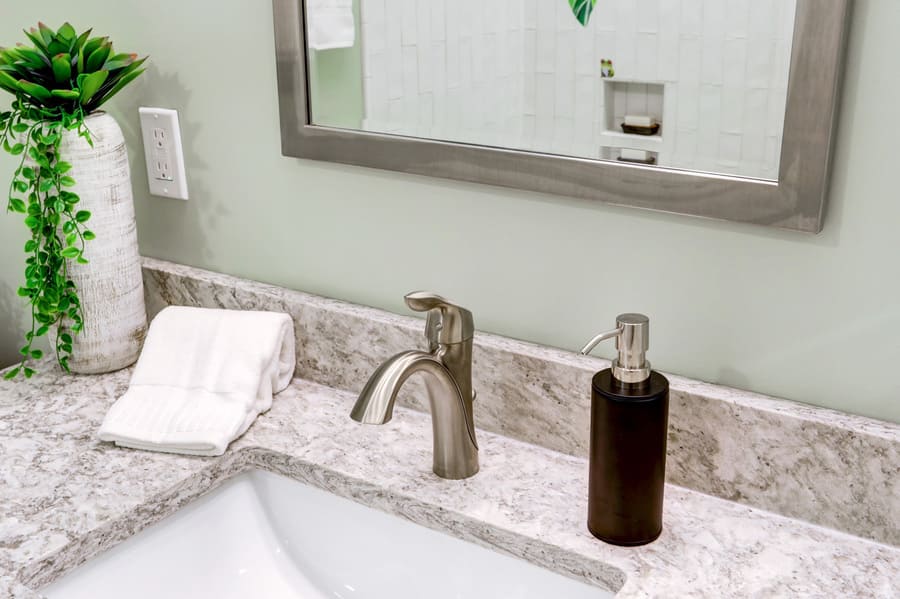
x: 632, y: 334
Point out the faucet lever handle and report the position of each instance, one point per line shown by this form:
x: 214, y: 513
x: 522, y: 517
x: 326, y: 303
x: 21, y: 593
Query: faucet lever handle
x: 447, y: 322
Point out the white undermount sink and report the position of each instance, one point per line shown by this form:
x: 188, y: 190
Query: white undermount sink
x: 265, y: 536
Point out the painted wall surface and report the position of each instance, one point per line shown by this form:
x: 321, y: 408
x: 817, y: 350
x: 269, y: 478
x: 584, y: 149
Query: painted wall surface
x: 810, y: 318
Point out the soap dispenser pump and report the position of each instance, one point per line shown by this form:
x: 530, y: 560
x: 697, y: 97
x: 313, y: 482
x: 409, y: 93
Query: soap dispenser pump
x: 629, y: 427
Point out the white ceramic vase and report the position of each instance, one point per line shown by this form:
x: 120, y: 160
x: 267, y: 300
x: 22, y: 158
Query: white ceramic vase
x: 110, y: 286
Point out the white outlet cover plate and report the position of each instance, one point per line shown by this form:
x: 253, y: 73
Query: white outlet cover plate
x: 163, y: 152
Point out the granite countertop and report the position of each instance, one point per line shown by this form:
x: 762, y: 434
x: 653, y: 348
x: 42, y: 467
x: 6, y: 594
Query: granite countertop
x: 65, y: 497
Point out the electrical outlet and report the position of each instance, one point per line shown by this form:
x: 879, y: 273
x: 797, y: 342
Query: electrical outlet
x: 163, y: 152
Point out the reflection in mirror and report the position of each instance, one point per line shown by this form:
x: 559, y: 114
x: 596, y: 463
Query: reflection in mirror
x: 690, y: 84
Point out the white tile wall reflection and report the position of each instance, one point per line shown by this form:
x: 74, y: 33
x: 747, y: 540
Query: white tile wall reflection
x: 525, y: 74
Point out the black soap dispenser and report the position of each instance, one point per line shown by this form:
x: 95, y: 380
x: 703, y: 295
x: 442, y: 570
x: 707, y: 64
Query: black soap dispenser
x: 629, y: 426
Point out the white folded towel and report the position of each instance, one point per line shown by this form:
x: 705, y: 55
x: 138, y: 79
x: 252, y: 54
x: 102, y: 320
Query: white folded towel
x: 330, y: 24
x: 202, y: 378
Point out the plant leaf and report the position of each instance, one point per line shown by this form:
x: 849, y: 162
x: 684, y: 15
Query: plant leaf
x: 79, y: 43
x: 17, y: 205
x: 62, y: 68
x: 35, y: 89
x: 90, y: 84
x: 582, y: 10
x: 38, y: 41
x: 119, y: 61
x: 125, y: 80
x: 57, y: 46
x: 66, y: 94
x: 47, y: 34
x: 96, y: 59
x: 92, y: 44
x: 67, y: 32
x: 70, y: 253
x: 32, y: 57
x: 8, y: 83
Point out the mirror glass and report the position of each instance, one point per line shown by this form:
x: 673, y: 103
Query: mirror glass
x: 688, y: 84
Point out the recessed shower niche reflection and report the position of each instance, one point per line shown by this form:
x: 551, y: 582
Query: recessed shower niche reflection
x: 690, y: 84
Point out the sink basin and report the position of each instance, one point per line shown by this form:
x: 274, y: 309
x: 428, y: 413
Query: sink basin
x: 265, y: 536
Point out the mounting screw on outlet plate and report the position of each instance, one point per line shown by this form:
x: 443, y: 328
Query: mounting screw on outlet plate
x: 163, y: 152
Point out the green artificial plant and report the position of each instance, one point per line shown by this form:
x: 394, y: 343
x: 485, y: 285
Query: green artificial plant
x: 582, y: 10
x: 56, y: 83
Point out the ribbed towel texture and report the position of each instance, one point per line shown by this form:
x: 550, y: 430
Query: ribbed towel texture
x: 331, y: 24
x: 202, y: 378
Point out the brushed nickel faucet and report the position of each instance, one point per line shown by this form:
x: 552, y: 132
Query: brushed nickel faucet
x: 447, y: 366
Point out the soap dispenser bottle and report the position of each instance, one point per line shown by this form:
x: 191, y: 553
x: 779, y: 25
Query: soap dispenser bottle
x: 629, y: 426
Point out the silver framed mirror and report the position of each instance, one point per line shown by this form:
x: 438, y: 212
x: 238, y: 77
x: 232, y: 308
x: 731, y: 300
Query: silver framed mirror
x: 792, y: 196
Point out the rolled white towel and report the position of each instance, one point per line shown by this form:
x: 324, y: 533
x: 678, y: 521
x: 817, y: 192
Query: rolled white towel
x: 330, y: 24
x: 202, y: 378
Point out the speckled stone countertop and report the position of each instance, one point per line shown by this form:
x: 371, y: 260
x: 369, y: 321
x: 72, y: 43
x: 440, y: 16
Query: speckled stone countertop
x: 65, y: 497
x: 825, y: 467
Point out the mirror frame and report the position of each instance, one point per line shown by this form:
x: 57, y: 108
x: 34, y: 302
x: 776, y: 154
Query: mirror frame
x: 796, y: 201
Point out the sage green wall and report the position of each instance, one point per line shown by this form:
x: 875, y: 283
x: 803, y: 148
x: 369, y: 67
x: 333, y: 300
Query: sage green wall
x: 810, y: 318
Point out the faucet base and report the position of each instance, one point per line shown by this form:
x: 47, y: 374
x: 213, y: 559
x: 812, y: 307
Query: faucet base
x: 457, y: 471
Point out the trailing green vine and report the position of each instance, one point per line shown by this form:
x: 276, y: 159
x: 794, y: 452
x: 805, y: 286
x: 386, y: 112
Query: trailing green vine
x: 55, y: 85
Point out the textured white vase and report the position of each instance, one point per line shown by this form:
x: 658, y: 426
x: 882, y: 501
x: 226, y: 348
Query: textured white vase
x: 110, y: 286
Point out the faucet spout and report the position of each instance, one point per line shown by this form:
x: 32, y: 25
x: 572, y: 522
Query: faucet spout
x: 455, y: 447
